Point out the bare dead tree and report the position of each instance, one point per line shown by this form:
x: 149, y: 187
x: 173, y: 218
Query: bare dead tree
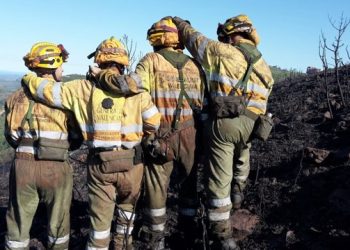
x: 322, y: 52
x: 347, y: 52
x: 347, y: 71
x: 131, y: 48
x: 340, y: 27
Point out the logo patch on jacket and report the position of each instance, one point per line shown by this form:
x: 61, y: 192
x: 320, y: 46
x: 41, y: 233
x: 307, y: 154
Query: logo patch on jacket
x: 107, y: 103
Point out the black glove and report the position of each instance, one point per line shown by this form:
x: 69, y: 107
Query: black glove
x: 147, y: 140
x: 151, y: 146
x: 177, y: 20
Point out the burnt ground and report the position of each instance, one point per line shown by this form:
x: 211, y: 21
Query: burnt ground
x: 298, y: 195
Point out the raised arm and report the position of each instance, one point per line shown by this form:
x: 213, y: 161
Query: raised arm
x: 195, y: 42
x: 115, y: 83
x: 57, y: 94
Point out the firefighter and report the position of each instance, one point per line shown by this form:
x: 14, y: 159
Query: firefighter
x: 176, y: 84
x: 40, y: 171
x: 112, y: 126
x: 239, y: 83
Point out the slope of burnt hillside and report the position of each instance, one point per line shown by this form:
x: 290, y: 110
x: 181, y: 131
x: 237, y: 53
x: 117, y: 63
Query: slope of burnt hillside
x: 298, y: 195
x: 299, y: 184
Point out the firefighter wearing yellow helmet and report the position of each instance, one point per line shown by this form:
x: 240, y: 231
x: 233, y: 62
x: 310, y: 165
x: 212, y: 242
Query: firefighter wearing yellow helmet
x: 39, y: 135
x: 176, y: 84
x: 112, y: 127
x: 239, y: 92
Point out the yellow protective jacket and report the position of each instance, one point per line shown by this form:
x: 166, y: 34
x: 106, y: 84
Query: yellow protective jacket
x: 106, y: 120
x: 48, y: 122
x: 224, y: 66
x: 161, y: 79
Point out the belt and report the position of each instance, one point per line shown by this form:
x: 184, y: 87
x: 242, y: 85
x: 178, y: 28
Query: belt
x: 246, y: 113
x: 250, y: 114
x: 105, y: 149
x: 137, y: 152
x: 24, y: 156
x: 27, y: 142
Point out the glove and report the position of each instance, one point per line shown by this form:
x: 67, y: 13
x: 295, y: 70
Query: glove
x: 151, y: 146
x: 147, y: 141
x: 177, y: 20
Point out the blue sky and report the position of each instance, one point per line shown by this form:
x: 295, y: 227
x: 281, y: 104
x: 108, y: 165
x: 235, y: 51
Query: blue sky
x: 289, y: 30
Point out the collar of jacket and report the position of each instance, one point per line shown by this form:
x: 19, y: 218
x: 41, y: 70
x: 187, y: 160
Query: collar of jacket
x: 174, y: 50
x: 243, y: 40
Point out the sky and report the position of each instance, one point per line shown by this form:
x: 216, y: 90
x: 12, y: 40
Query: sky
x: 289, y: 30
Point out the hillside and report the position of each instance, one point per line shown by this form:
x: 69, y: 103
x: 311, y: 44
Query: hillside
x: 6, y: 88
x: 298, y: 196
x: 300, y: 179
x: 281, y: 74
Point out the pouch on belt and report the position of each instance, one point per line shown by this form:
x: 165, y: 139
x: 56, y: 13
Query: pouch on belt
x: 228, y: 106
x: 263, y: 127
x: 117, y: 161
x: 52, y: 149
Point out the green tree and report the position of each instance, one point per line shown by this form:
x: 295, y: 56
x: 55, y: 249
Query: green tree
x: 281, y: 74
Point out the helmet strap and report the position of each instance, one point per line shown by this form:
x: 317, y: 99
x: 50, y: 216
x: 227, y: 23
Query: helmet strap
x: 225, y: 39
x: 159, y: 47
x: 54, y: 75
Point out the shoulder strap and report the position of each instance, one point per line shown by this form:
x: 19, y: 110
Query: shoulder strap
x: 29, y: 118
x: 252, y: 55
x: 178, y: 60
x: 250, y: 52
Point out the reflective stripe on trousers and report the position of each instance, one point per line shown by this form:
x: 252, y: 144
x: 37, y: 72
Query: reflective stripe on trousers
x: 100, y: 235
x: 161, y: 212
x: 96, y: 248
x: 220, y: 209
x: 156, y: 212
x: 12, y: 244
x: 220, y: 202
x: 122, y: 229
x: 158, y: 227
x: 217, y: 216
x: 58, y: 240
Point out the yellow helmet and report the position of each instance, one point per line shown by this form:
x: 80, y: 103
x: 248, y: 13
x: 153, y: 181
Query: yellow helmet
x: 110, y: 50
x: 238, y: 24
x: 45, y: 55
x: 163, y: 32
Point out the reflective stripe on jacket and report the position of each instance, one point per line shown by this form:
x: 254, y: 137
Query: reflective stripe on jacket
x: 48, y: 122
x: 161, y: 79
x: 105, y: 119
x: 224, y: 65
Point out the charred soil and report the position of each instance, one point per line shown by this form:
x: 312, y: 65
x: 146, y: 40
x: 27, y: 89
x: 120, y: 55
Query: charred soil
x: 298, y: 195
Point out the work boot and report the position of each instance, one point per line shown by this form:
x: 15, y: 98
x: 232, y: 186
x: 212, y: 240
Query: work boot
x: 159, y: 244
x: 237, y: 196
x: 154, y: 239
x: 237, y: 199
x: 224, y: 244
x: 120, y: 242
